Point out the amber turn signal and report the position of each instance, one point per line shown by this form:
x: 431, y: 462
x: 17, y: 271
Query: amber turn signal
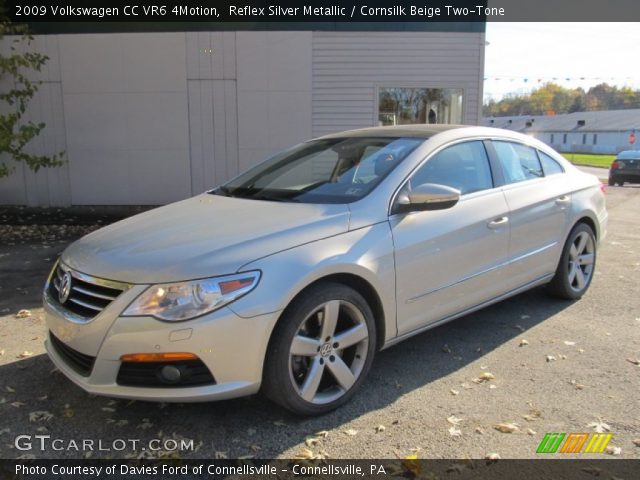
x: 158, y: 357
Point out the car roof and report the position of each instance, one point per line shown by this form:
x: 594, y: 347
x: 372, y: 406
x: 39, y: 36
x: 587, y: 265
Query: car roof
x: 629, y: 155
x: 417, y: 131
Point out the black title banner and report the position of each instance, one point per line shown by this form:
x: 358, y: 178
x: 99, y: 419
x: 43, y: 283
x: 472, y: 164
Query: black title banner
x: 337, y: 11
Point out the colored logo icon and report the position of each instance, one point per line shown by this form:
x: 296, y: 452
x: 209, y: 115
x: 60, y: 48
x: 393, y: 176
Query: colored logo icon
x: 574, y: 443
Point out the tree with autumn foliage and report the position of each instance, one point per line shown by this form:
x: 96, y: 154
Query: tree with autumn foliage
x: 551, y: 99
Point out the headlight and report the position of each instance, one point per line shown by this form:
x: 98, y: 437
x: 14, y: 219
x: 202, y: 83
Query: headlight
x: 186, y: 300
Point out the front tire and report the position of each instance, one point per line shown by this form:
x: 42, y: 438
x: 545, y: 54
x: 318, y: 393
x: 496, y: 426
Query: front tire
x: 611, y: 182
x: 320, y: 351
x: 577, y: 264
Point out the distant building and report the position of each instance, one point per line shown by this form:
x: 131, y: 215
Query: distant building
x: 605, y: 132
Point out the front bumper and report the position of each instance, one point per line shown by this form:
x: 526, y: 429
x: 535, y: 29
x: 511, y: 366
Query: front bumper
x: 233, y: 348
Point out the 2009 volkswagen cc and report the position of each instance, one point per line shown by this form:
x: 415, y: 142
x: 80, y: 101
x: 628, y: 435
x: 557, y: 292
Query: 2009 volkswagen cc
x: 291, y: 276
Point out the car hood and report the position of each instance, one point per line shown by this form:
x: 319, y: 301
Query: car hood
x: 203, y: 236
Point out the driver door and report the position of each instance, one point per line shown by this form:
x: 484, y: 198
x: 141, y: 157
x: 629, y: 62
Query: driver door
x: 450, y: 260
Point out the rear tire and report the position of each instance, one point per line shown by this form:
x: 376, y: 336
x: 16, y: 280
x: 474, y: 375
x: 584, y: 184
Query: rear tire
x: 577, y: 264
x: 621, y: 184
x: 320, y: 351
x: 611, y: 182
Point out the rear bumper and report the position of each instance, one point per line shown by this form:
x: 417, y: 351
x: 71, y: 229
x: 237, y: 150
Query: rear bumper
x: 624, y: 176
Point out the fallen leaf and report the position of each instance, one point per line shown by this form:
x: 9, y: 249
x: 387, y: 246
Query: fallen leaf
x: 145, y: 425
x: 43, y: 397
x: 506, y: 427
x: 9, y: 389
x: 479, y: 430
x: 519, y: 327
x: 567, y: 342
x: 563, y: 357
x: 455, y: 432
x: 599, y: 426
x: 611, y: 450
x: 530, y: 432
x: 491, y: 387
x: 493, y: 456
x: 351, y: 432
x: 68, y: 412
x: 279, y: 423
x: 25, y: 354
x: 486, y: 376
x: 108, y: 409
x: 18, y: 404
x: 311, y: 441
x: 454, y: 392
x: 220, y: 455
x: 636, y: 442
x: 523, y: 342
x: 635, y: 361
x: 1, y: 352
x: 380, y: 428
x: 305, y: 454
x: 412, y: 465
x: 453, y: 420
x: 550, y: 358
x: 24, y: 313
x: 446, y: 349
x: 466, y: 386
x: 322, y: 434
x: 40, y: 416
x: 255, y: 448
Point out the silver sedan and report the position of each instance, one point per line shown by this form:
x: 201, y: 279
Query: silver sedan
x: 290, y: 277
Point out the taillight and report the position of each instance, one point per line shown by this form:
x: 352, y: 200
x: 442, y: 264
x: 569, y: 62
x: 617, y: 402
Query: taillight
x: 603, y: 188
x: 615, y: 165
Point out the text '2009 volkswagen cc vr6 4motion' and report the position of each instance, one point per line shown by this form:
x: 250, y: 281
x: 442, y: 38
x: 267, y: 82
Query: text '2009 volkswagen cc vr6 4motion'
x: 290, y: 277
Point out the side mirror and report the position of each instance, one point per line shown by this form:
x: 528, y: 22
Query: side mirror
x: 428, y: 196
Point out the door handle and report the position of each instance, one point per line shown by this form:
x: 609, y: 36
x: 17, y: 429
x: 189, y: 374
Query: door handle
x: 498, y: 222
x: 563, y: 200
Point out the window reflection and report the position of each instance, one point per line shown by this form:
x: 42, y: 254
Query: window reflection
x: 404, y: 106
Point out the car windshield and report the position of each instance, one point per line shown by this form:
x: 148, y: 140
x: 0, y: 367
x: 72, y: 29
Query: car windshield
x: 335, y: 170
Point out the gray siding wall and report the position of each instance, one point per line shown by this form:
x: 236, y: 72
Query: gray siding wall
x: 149, y: 118
x: 348, y: 68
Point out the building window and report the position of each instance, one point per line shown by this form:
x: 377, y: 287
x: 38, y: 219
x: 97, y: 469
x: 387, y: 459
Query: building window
x: 552, y: 138
x: 595, y: 138
x: 584, y: 138
x: 404, y: 106
x: 564, y: 139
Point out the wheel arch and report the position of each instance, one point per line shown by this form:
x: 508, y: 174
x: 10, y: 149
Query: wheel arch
x: 360, y: 285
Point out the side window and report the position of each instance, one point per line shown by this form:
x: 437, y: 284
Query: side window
x: 464, y: 166
x: 519, y: 162
x: 549, y: 165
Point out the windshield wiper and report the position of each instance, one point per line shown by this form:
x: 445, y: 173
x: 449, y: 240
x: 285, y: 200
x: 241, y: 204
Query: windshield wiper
x: 273, y: 198
x: 221, y: 190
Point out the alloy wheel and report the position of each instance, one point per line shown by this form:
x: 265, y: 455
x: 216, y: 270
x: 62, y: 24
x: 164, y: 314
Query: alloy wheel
x: 328, y: 352
x: 581, y: 260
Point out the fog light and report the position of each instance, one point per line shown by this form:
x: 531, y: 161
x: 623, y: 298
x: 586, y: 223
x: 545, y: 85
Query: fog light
x: 170, y: 374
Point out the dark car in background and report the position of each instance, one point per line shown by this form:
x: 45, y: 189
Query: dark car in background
x: 625, y: 168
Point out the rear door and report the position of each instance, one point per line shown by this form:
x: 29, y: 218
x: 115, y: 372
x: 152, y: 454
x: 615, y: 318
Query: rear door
x: 539, y: 209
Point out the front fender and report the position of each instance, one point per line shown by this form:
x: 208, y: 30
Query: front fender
x: 366, y: 253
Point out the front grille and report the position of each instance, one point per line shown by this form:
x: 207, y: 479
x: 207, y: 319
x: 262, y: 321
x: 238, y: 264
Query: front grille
x: 147, y: 374
x: 87, y: 297
x: 81, y: 363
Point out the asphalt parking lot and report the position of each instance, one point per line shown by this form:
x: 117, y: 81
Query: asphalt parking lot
x: 557, y: 367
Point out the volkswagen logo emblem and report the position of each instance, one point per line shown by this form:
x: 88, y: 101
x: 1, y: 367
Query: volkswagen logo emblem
x: 326, y: 349
x: 65, y: 287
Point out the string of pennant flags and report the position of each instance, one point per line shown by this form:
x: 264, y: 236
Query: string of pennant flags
x: 511, y: 78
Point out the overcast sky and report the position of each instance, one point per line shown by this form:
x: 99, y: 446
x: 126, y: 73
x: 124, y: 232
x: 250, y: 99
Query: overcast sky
x: 597, y: 52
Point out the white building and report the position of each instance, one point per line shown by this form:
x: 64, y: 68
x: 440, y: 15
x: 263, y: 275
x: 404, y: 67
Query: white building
x: 149, y: 118
x: 604, y: 132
